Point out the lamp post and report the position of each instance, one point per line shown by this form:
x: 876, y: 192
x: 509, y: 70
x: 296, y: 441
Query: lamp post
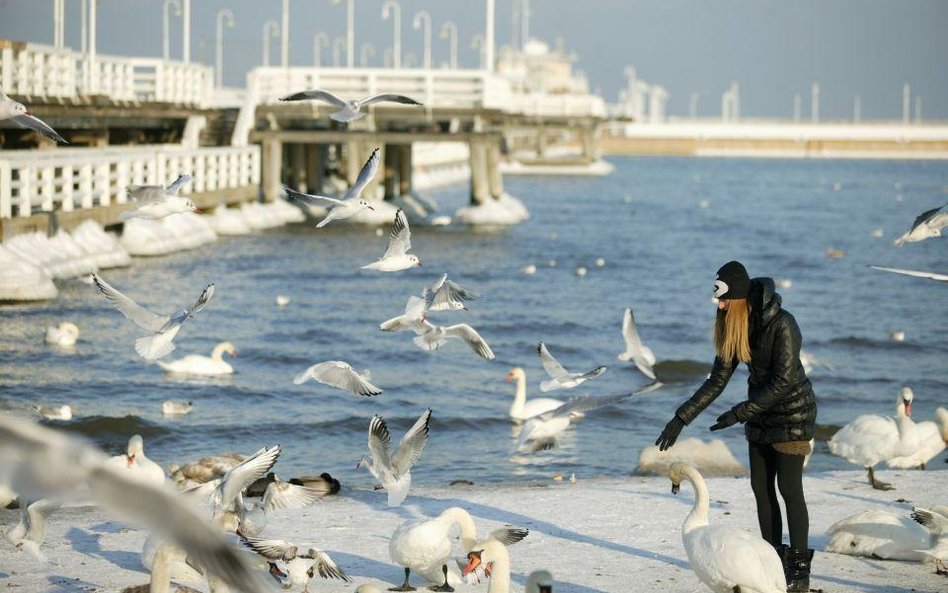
x: 186, y: 32
x: 166, y: 18
x: 284, y: 36
x: 422, y: 15
x: 489, y: 36
x: 271, y: 28
x: 368, y: 52
x: 477, y: 42
x: 350, y: 32
x: 338, y: 45
x: 449, y: 29
x: 391, y: 6
x: 222, y: 15
x: 320, y: 40
x: 59, y: 23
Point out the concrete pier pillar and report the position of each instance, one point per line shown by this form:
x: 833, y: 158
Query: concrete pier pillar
x: 297, y: 165
x: 405, y: 169
x: 494, y: 179
x: 354, y: 160
x: 541, y: 142
x: 480, y: 190
x: 589, y: 144
x: 314, y: 168
x: 272, y: 166
x: 391, y: 171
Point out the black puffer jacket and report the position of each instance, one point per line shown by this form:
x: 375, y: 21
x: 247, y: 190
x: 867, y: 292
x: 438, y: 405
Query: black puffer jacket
x: 780, y: 405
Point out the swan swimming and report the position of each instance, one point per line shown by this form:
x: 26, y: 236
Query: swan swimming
x: 522, y: 409
x: 196, y: 364
x: 64, y: 334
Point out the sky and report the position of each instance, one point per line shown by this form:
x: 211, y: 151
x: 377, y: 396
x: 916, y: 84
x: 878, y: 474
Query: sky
x: 774, y: 49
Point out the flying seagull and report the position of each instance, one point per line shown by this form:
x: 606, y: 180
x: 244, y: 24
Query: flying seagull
x: 431, y: 337
x: 349, y: 111
x: 20, y: 115
x: 635, y: 350
x: 339, y: 374
x: 927, y: 224
x: 560, y: 378
x: 163, y: 328
x: 445, y: 295
x: 156, y: 201
x: 396, y: 257
x: 917, y: 273
x: 351, y: 203
x: 393, y: 470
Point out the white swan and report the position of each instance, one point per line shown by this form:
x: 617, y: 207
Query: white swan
x: 932, y: 438
x: 64, y: 334
x: 196, y: 364
x: 869, y: 439
x: 424, y: 545
x: 879, y: 533
x: 712, y: 458
x: 521, y: 409
x: 539, y: 581
x: 136, y: 464
x: 494, y: 553
x: 725, y: 558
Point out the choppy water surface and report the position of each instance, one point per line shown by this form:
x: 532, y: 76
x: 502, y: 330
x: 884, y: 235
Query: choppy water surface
x: 661, y: 249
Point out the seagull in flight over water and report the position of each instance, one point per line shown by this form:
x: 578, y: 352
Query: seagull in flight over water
x: 560, y: 378
x: 635, y: 350
x: 349, y: 110
x: 352, y: 202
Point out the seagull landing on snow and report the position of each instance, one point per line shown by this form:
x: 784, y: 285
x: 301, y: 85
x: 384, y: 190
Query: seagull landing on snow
x: 300, y: 567
x: 396, y: 257
x: 635, y: 351
x: 164, y: 328
x: 916, y: 273
x: 393, y: 471
x: 927, y: 224
x: 349, y: 110
x: 351, y: 203
x: 20, y: 115
x: 340, y: 375
x: 560, y: 377
x: 156, y: 201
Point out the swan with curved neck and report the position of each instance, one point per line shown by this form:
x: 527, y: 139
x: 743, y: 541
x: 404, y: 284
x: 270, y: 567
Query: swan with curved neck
x: 137, y: 464
x: 870, y: 439
x: 494, y: 553
x: 521, y: 409
x: 724, y: 557
x: 196, y: 364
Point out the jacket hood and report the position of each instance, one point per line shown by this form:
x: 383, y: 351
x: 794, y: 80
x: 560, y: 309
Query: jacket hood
x: 765, y: 302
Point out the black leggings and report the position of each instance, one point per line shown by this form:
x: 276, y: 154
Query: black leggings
x: 766, y: 463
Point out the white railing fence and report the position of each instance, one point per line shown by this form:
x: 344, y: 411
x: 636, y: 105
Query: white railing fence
x: 73, y: 178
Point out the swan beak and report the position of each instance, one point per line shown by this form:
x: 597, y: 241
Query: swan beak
x: 509, y: 377
x: 276, y: 572
x: 234, y: 354
x: 675, y: 488
x: 474, y: 559
x: 131, y: 460
x: 908, y: 407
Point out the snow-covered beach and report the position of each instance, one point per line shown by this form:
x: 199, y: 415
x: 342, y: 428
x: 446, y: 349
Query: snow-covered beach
x: 597, y: 535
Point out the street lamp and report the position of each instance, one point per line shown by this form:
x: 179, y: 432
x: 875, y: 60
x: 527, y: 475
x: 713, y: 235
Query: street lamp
x: 416, y: 23
x: 270, y: 28
x: 451, y: 29
x: 368, y: 52
x: 338, y: 45
x: 285, y: 36
x: 477, y: 42
x: 320, y: 40
x: 350, y: 32
x: 223, y: 15
x: 165, y: 21
x: 387, y: 8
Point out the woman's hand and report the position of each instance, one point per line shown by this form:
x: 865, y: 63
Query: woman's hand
x: 670, y: 434
x: 726, y: 419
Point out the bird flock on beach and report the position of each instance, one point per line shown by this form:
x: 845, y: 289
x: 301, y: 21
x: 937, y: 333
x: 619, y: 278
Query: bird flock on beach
x: 208, y: 525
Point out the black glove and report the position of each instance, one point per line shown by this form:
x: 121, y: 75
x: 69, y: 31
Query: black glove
x: 670, y: 434
x: 726, y: 419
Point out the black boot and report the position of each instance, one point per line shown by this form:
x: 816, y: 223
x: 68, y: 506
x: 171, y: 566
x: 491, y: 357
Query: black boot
x: 797, y: 567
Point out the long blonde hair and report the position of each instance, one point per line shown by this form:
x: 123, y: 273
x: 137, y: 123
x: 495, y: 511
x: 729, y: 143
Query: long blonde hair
x: 731, y: 331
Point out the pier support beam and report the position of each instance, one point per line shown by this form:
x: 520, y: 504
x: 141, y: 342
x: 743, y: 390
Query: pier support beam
x: 589, y: 144
x: 404, y: 169
x: 298, y: 165
x: 480, y: 190
x: 272, y: 155
x: 354, y: 161
x: 494, y: 178
x: 391, y: 170
x: 314, y: 168
x: 541, y: 141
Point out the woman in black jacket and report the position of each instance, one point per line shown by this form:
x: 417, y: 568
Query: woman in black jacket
x: 779, y: 415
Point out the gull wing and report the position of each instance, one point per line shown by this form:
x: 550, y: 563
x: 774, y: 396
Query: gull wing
x: 399, y: 240
x: 368, y: 172
x: 316, y: 94
x: 283, y: 495
x: 508, y: 535
x: 473, y: 339
x: 583, y: 403
x: 272, y: 549
x: 389, y: 97
x: 178, y: 183
x: 325, y: 566
x: 443, y: 292
x: 412, y: 445
x: 934, y: 521
x: 206, y: 295
x: 309, y: 198
x: 550, y: 364
x: 630, y: 332
x: 34, y: 123
x: 134, y: 312
x: 338, y: 374
x: 916, y: 273
x: 243, y: 474
x: 926, y: 217
x: 379, y: 441
x: 145, y: 194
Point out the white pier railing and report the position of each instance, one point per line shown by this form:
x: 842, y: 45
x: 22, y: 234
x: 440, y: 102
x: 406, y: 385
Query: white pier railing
x: 36, y: 70
x: 73, y: 178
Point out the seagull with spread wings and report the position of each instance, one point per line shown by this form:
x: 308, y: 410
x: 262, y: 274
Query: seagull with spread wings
x: 157, y: 201
x: 349, y: 111
x: 339, y: 374
x: 635, y: 350
x: 299, y: 567
x: 916, y: 273
x: 431, y: 337
x: 560, y: 378
x: 445, y: 295
x: 352, y: 201
x: 927, y: 224
x: 393, y: 471
x: 396, y: 257
x: 21, y: 116
x: 164, y: 328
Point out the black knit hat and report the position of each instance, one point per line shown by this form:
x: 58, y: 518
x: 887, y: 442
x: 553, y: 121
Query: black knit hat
x: 732, y: 281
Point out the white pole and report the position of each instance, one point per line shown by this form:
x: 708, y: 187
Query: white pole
x: 285, y: 36
x: 93, y: 81
x: 221, y: 15
x: 450, y: 30
x: 59, y: 17
x: 390, y: 7
x: 320, y: 40
x: 84, y: 9
x: 416, y: 23
x: 270, y: 28
x: 489, y: 36
x: 906, y: 102
x: 514, y: 23
x: 524, y: 23
x: 815, y: 103
x: 350, y: 33
x: 186, y: 32
x: 166, y: 22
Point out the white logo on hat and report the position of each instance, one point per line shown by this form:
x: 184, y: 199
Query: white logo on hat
x: 720, y: 288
